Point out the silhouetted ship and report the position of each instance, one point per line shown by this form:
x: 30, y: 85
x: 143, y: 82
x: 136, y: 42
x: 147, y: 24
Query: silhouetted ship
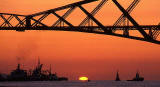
x: 3, y: 77
x: 18, y: 74
x: 36, y: 75
x: 137, y: 78
x: 117, y: 77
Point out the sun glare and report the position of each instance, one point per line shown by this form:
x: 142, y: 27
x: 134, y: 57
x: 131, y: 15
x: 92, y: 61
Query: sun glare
x: 83, y: 78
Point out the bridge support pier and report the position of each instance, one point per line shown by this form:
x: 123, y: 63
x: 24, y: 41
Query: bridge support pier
x: 28, y: 21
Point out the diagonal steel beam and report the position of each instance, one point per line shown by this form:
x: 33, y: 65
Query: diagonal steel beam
x: 156, y: 33
x: 23, y: 23
x: 40, y: 19
x: 6, y: 21
x: 11, y: 14
x: 39, y: 22
x: 145, y: 35
x: 98, y: 7
x: 9, y: 19
x: 20, y: 21
x: 62, y: 19
x: 95, y: 20
x: 65, y: 7
x: 129, y: 10
x: 64, y: 16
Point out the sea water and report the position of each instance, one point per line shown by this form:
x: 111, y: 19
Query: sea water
x: 81, y: 84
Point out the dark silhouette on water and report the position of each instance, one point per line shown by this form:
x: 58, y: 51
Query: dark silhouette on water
x: 137, y: 78
x: 33, y: 75
x: 18, y: 74
x: 117, y: 77
x: 2, y: 77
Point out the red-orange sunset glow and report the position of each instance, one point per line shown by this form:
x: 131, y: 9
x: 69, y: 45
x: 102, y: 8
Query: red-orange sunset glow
x: 71, y: 53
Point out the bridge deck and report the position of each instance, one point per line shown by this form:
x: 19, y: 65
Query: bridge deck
x: 144, y: 27
x: 81, y: 29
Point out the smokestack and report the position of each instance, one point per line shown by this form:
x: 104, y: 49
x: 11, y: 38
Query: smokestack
x: 38, y: 61
x: 50, y: 70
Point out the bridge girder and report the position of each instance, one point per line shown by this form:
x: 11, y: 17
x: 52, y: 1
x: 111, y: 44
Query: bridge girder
x: 65, y: 7
x: 29, y: 22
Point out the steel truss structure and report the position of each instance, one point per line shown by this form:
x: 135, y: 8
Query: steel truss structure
x: 148, y: 33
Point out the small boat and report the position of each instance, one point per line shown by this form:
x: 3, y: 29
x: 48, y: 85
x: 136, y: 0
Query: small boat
x: 137, y: 78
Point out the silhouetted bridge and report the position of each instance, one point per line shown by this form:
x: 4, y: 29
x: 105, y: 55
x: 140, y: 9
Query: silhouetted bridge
x: 148, y: 33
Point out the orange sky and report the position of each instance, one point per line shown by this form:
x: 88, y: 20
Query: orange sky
x: 74, y: 54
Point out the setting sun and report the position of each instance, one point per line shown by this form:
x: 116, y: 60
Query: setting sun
x: 83, y: 78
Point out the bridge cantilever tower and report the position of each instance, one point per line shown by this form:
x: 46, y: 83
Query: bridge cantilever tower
x: 90, y: 24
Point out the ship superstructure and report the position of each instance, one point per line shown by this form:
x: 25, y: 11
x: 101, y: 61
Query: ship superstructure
x: 18, y: 74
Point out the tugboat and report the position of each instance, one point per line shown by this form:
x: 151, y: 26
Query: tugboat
x: 137, y: 78
x: 117, y: 77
